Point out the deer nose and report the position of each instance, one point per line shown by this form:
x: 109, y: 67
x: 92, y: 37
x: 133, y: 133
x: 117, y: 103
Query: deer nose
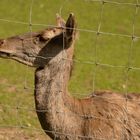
x: 1, y: 42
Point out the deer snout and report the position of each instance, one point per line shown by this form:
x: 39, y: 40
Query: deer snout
x: 2, y: 42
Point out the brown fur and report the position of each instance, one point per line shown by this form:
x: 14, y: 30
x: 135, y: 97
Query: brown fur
x: 102, y: 116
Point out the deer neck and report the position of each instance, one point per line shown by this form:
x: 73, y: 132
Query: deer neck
x: 51, y: 82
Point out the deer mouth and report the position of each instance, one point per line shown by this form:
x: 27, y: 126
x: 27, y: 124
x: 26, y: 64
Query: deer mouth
x: 20, y: 58
x: 5, y: 54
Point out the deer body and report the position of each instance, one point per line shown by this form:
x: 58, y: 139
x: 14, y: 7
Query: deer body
x: 102, y: 116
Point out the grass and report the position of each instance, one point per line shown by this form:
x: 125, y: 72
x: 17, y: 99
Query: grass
x: 112, y: 50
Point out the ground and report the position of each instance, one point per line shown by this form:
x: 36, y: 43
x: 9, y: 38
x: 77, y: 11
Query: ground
x: 16, y: 133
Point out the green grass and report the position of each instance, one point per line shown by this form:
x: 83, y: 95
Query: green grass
x: 112, y: 50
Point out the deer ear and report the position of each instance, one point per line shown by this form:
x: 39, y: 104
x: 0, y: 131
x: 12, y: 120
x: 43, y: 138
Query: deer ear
x: 60, y: 21
x: 70, y: 26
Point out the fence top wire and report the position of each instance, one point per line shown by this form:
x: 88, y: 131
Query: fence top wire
x: 116, y: 2
x: 78, y: 29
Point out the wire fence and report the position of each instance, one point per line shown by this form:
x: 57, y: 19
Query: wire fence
x: 128, y: 67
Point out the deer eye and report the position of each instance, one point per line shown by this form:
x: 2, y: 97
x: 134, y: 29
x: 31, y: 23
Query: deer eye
x: 54, y: 30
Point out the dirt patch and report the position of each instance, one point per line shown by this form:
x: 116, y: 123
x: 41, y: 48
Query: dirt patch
x: 3, y: 81
x: 21, y: 134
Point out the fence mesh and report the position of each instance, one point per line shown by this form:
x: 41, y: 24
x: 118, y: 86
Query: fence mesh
x: 133, y: 37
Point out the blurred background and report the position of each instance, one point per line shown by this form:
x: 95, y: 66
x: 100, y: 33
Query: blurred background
x: 106, y: 55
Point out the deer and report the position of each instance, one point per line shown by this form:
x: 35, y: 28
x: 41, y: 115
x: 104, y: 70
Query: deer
x: 104, y: 115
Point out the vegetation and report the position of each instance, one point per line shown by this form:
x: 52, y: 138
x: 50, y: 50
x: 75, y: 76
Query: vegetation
x: 16, y: 80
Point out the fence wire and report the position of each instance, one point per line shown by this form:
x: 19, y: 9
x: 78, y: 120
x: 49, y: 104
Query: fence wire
x: 95, y: 62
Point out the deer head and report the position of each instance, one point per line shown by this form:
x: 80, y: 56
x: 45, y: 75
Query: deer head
x: 36, y: 48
